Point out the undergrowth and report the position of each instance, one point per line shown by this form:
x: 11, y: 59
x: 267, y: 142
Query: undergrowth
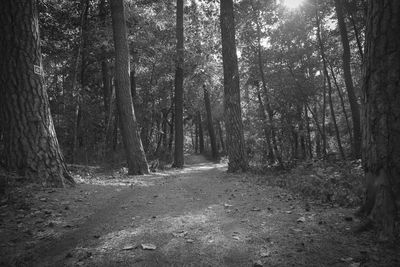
x: 336, y: 183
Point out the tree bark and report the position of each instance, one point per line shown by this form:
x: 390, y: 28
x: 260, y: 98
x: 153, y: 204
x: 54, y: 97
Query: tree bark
x: 108, y: 93
x: 233, y: 116
x: 381, y: 115
x: 178, y: 155
x: 201, y: 135
x: 267, y: 131
x: 77, y: 133
x: 355, y: 109
x: 210, y: 126
x: 221, y: 136
x: 196, y: 135
x: 137, y: 163
x: 31, y: 146
x: 326, y: 79
x: 332, y: 109
x: 309, y: 143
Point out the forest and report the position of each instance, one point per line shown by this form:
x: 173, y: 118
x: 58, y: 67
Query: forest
x: 238, y: 115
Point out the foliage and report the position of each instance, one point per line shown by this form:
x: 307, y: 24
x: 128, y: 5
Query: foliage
x: 280, y: 73
x: 334, y: 183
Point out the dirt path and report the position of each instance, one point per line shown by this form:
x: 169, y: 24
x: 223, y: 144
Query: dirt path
x: 198, y: 216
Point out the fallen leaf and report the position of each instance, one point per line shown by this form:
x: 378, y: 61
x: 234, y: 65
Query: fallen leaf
x: 180, y: 234
x: 301, y: 219
x: 148, y: 246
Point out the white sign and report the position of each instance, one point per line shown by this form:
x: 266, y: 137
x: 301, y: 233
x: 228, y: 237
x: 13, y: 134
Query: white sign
x: 37, y: 69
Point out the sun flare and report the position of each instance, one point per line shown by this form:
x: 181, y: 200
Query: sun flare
x: 292, y: 3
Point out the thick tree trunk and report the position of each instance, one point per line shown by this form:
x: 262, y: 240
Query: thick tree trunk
x: 178, y: 155
x: 233, y: 115
x: 210, y: 126
x: 381, y: 115
x: 108, y: 93
x: 31, y: 146
x: 137, y: 163
x: 77, y: 133
x: 355, y: 109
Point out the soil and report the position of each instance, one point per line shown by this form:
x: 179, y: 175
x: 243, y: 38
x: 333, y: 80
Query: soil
x: 196, y: 216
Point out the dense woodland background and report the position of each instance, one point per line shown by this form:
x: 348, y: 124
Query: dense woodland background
x: 295, y: 103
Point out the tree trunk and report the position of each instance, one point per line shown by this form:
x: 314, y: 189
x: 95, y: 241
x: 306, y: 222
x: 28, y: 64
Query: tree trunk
x: 332, y: 109
x: 196, y: 133
x: 267, y: 106
x: 327, y: 82
x: 77, y: 133
x: 381, y: 114
x: 171, y: 128
x: 133, y: 87
x: 137, y: 163
x: 178, y: 154
x: 201, y: 135
x: 343, y: 106
x: 108, y: 93
x: 356, y: 31
x: 302, y: 139
x: 326, y: 77
x: 355, y: 110
x: 233, y: 116
x: 309, y: 143
x: 221, y: 136
x: 267, y: 131
x: 31, y: 146
x: 210, y: 126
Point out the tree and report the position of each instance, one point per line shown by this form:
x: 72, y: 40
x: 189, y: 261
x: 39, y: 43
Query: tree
x: 31, y: 145
x: 233, y: 116
x: 178, y: 155
x: 381, y: 115
x: 137, y: 163
x: 355, y: 110
x: 210, y: 126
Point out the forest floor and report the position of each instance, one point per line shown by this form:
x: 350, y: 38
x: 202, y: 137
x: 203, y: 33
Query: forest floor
x: 197, y: 216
